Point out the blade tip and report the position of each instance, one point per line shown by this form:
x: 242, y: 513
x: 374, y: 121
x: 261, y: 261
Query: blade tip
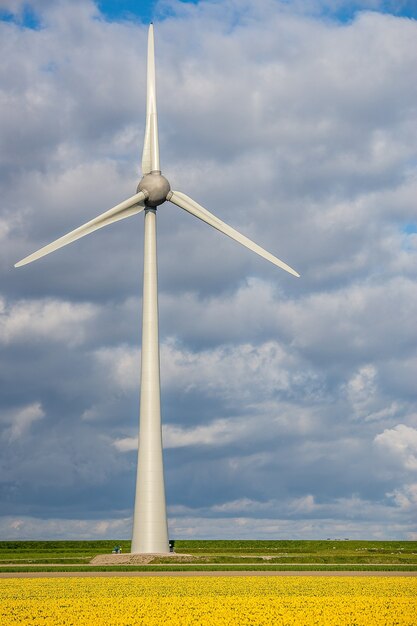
x: 24, y: 261
x: 288, y: 269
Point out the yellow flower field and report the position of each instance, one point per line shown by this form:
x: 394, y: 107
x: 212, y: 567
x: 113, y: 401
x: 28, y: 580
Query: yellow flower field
x: 184, y: 601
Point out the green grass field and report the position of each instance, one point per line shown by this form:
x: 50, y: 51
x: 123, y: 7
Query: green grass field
x: 320, y: 555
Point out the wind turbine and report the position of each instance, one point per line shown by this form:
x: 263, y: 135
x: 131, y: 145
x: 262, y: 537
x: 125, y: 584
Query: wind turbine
x: 150, y: 528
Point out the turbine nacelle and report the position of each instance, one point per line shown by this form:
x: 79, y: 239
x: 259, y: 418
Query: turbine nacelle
x: 155, y: 187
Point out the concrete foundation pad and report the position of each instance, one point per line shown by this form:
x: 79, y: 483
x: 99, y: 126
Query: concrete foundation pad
x: 138, y: 559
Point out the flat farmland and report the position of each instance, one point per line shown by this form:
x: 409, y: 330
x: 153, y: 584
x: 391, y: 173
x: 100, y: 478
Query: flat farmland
x: 214, y: 555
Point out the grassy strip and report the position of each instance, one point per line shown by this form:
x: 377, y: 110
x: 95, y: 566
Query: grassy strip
x: 290, y: 545
x: 247, y: 553
x: 214, y: 568
x: 204, y: 566
x: 46, y: 561
x: 314, y: 559
x: 233, y: 559
x: 85, y: 548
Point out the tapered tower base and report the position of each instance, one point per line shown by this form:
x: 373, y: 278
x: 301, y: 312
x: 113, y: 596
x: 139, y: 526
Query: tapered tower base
x: 150, y: 528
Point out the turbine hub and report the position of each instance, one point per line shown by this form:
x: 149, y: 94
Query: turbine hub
x: 156, y: 186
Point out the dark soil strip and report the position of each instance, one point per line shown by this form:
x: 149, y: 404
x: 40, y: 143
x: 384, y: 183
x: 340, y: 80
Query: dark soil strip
x: 190, y: 574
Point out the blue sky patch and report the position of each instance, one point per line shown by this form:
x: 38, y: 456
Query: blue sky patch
x: 26, y: 18
x: 128, y: 9
x: 147, y: 10
x: 410, y: 228
x: 344, y: 12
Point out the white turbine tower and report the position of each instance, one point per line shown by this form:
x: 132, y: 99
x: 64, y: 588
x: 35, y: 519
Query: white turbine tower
x: 150, y: 529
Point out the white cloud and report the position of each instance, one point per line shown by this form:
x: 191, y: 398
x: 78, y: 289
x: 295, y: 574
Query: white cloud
x: 405, y: 497
x: 21, y: 420
x: 31, y: 528
x: 122, y: 365
x: 227, y: 371
x: 252, y: 373
x: 305, y: 504
x: 219, y: 433
x: 354, y: 321
x: 51, y: 320
x: 366, y: 398
x: 243, y: 505
x: 5, y: 228
x: 267, y: 421
x: 401, y: 443
x: 196, y: 527
x: 126, y: 444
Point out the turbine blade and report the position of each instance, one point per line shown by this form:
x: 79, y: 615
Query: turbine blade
x: 150, y: 155
x: 186, y: 203
x: 128, y: 207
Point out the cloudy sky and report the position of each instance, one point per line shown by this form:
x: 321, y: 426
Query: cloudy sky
x: 288, y: 404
